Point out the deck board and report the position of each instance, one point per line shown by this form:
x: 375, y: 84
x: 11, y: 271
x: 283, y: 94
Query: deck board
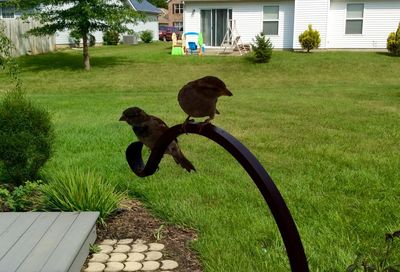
x: 45, y: 241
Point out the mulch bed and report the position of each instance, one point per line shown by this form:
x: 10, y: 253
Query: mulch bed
x: 134, y: 221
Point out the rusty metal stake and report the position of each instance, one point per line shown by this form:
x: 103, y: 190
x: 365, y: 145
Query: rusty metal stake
x: 271, y: 194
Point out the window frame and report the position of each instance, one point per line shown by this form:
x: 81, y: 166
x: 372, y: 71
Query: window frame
x: 177, y: 7
x: 271, y: 20
x: 175, y: 23
x: 355, y: 19
x: 10, y: 10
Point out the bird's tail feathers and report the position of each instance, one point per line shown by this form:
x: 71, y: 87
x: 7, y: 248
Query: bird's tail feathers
x: 182, y: 161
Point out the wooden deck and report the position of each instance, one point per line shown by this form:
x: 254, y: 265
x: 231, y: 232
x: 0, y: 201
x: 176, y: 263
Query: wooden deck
x: 45, y: 241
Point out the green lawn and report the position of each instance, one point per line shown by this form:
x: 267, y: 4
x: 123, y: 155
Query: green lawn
x: 324, y: 125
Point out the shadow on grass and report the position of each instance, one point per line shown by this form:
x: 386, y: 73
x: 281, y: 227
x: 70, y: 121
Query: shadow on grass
x: 67, y: 61
x: 387, y: 54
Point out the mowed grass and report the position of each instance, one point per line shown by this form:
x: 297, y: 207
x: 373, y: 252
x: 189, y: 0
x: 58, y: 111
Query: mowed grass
x: 324, y: 125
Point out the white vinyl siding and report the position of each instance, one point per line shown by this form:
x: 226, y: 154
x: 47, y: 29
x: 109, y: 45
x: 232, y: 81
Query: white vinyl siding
x: 354, y: 18
x: 379, y: 19
x: 314, y: 12
x: 248, y: 17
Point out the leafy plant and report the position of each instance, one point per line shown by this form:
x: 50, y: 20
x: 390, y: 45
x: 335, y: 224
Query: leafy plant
x: 93, y: 248
x: 262, y: 49
x: 78, y: 191
x: 146, y: 36
x: 393, y: 42
x: 158, y: 234
x: 26, y: 134
x: 381, y: 260
x: 310, y: 39
x: 27, y: 197
x: 111, y: 37
x: 76, y: 37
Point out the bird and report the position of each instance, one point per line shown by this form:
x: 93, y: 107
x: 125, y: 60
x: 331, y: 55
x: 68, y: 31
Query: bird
x: 198, y: 98
x: 148, y: 129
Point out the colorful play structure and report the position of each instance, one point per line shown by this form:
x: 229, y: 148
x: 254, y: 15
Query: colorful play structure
x: 191, y: 43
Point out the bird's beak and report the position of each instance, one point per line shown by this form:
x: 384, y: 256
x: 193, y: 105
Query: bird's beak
x: 123, y: 118
x: 226, y: 92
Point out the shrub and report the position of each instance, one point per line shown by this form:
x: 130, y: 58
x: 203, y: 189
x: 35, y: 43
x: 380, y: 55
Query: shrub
x: 77, y: 191
x: 310, y: 39
x: 27, y: 197
x: 262, y: 49
x: 76, y: 36
x: 146, y: 36
x: 92, y: 40
x: 393, y: 42
x: 111, y: 37
x: 26, y: 138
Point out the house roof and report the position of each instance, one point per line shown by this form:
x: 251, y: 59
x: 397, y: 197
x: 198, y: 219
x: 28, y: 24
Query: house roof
x: 144, y: 6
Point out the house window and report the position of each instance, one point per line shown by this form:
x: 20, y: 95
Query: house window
x: 177, y: 8
x: 8, y: 12
x: 270, y: 20
x: 178, y: 25
x: 354, y: 18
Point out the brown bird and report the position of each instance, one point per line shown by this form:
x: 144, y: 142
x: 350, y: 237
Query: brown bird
x: 148, y: 129
x: 198, y: 98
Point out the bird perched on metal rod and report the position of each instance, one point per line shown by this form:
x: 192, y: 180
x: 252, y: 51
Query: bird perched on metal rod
x: 148, y: 129
x: 198, y: 98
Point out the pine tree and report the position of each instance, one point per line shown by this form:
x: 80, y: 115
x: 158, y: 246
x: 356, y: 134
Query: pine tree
x: 393, y: 42
x: 262, y: 49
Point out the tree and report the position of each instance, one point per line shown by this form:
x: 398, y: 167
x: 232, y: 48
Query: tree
x: 310, y: 39
x: 159, y: 3
x: 393, y: 42
x: 83, y: 16
x: 262, y: 49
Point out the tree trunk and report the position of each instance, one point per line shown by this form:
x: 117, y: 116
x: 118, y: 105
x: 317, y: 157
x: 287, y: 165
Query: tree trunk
x: 86, y: 60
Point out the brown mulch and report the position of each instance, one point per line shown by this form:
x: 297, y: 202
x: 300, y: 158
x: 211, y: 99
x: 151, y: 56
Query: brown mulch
x: 134, y: 221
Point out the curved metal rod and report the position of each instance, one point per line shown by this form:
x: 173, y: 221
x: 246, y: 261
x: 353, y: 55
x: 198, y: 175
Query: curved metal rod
x: 282, y: 216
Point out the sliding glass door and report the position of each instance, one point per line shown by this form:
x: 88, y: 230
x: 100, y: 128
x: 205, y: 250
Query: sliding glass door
x: 214, y: 25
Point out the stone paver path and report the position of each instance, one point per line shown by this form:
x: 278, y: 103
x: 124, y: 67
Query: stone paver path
x: 129, y: 255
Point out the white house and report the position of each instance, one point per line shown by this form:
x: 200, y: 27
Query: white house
x: 341, y: 23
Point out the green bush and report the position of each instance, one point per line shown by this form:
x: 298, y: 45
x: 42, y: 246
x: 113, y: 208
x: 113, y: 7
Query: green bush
x: 146, y: 36
x: 111, y: 37
x: 76, y: 36
x: 262, y: 49
x: 26, y: 138
x: 77, y: 191
x: 393, y: 42
x: 92, y: 40
x: 27, y: 197
x: 310, y: 39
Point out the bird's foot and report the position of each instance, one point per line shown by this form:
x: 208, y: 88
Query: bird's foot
x: 204, y: 124
x: 185, y: 124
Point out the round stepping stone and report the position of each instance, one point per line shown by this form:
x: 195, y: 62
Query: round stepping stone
x: 156, y: 246
x: 117, y: 257
x: 122, y: 249
x: 135, y: 257
x: 109, y: 242
x: 125, y: 241
x: 132, y: 266
x: 139, y: 248
x: 153, y: 255
x: 99, y: 257
x: 114, y: 267
x: 95, y: 267
x: 140, y: 241
x: 105, y: 249
x: 150, y: 266
x: 169, y: 264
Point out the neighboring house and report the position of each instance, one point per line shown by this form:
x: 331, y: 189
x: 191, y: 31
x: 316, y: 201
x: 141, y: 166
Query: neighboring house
x: 63, y: 39
x: 163, y: 17
x: 341, y: 23
x: 175, y: 13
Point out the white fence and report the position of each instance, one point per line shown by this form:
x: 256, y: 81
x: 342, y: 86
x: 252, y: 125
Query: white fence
x: 15, y: 29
